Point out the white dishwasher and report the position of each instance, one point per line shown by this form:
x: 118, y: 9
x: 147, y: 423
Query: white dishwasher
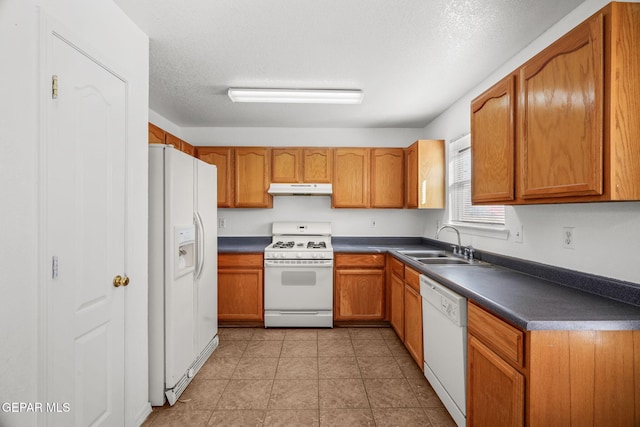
x: 444, y: 329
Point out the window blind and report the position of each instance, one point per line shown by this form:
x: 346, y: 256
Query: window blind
x: 460, y: 188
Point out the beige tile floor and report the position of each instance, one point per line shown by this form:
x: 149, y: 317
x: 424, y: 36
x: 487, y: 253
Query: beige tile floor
x: 306, y: 377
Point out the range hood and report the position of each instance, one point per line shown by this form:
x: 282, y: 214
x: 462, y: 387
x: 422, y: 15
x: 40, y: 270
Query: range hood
x: 299, y: 189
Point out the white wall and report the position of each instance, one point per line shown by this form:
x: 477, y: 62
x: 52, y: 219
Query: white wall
x: 606, y: 234
x: 306, y: 137
x: 165, y: 124
x: 116, y: 42
x: 345, y: 222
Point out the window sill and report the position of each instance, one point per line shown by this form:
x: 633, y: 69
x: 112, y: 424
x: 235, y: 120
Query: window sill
x: 493, y: 232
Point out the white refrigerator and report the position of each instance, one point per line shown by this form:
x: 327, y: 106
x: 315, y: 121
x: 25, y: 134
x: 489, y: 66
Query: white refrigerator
x: 183, y: 270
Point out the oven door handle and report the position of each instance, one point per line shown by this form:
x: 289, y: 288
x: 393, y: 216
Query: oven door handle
x: 277, y: 264
x: 299, y: 312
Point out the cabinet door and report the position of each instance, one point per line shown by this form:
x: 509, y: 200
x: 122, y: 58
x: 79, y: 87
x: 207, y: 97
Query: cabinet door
x: 240, y: 294
x: 359, y: 260
x: 285, y: 165
x: 561, y: 116
x: 252, y: 171
x: 413, y: 324
x: 185, y: 147
x: 411, y: 177
x: 173, y: 140
x: 495, y: 390
x: 222, y: 157
x: 387, y: 178
x: 317, y: 165
x: 351, y: 178
x: 359, y: 294
x: 493, y: 144
x: 425, y: 167
x: 156, y: 135
x: 396, y: 309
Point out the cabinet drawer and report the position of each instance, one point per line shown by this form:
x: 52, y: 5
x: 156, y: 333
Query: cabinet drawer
x: 359, y: 260
x: 397, y: 267
x: 240, y: 261
x: 498, y: 335
x: 412, y: 278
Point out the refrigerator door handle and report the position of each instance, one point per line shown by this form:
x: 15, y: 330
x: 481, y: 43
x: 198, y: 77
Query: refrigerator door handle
x: 199, y: 244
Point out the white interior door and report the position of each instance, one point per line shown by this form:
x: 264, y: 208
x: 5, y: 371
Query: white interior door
x: 84, y: 166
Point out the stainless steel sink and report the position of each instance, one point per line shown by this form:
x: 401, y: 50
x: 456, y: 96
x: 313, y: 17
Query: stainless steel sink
x: 424, y: 254
x: 447, y: 260
x: 437, y: 257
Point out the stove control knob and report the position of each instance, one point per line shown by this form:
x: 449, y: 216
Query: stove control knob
x: 299, y: 255
x: 314, y: 255
x: 280, y: 254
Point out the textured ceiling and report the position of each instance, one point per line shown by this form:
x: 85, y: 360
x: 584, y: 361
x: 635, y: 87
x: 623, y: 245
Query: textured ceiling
x: 412, y: 58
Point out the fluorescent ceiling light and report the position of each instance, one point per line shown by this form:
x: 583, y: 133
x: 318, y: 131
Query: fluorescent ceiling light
x: 296, y: 96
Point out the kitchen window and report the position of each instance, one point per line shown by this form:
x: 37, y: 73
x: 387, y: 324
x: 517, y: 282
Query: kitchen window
x: 461, y: 209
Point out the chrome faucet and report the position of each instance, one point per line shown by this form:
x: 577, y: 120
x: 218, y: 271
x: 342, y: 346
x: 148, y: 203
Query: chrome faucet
x: 455, y: 248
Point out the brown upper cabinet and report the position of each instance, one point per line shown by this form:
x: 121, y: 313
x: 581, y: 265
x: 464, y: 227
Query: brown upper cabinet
x: 173, y: 140
x: 577, y: 131
x: 493, y: 143
x: 368, y: 177
x: 243, y: 175
x: 181, y: 144
x: 291, y: 164
x: 222, y: 157
x: 317, y: 165
x: 251, y: 177
x: 156, y: 135
x: 160, y: 136
x: 362, y: 177
x: 387, y: 178
x: 351, y: 178
x: 187, y: 148
x: 425, y: 166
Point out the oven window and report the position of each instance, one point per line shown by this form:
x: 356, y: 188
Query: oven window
x: 299, y: 278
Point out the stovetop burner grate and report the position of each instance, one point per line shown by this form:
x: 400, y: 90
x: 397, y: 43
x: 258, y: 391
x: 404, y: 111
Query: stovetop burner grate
x: 316, y: 245
x: 284, y: 245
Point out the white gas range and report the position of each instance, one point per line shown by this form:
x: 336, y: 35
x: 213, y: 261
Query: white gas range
x: 298, y: 282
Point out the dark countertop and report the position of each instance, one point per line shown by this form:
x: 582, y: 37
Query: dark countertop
x: 243, y: 244
x: 530, y: 302
x: 538, y: 297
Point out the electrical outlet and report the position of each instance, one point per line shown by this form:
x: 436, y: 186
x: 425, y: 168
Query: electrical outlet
x: 568, y: 237
x: 518, y: 234
x: 373, y: 223
x: 222, y: 223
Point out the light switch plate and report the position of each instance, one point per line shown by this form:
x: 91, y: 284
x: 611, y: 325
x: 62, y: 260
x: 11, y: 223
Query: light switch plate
x: 518, y: 234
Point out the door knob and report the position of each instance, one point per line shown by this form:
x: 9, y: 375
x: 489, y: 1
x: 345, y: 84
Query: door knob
x: 120, y: 281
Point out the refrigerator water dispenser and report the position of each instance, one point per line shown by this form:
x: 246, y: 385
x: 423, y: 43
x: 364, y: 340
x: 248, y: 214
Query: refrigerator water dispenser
x: 184, y: 253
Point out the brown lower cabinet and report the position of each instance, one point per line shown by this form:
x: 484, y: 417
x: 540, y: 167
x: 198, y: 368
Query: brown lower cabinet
x: 396, y: 301
x: 240, y: 287
x: 550, y: 378
x: 495, y: 388
x: 413, y: 315
x: 405, y: 307
x: 359, y: 287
